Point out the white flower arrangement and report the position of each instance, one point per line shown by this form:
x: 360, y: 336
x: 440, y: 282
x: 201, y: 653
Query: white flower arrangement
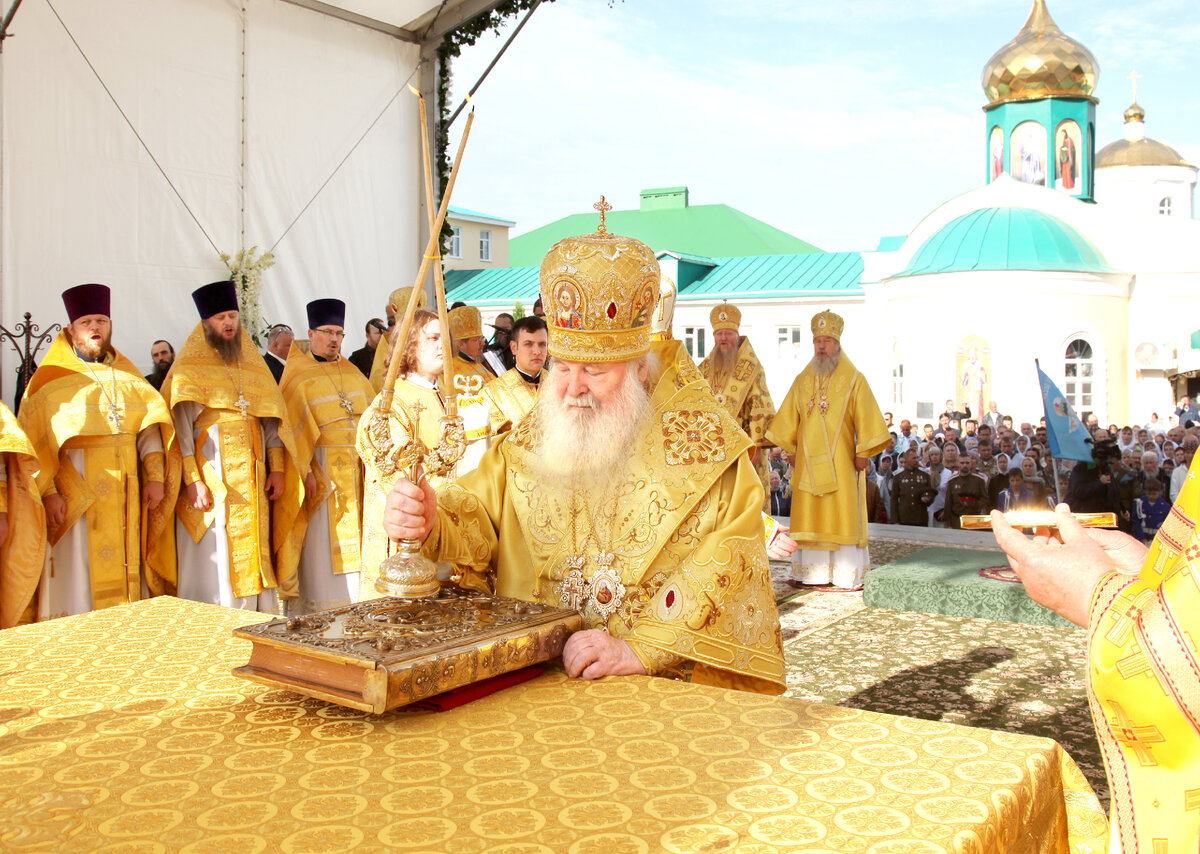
x: 245, y: 269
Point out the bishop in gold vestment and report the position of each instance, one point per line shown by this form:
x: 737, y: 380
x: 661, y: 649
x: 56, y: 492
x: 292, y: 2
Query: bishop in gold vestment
x: 100, y: 431
x: 627, y: 494
x: 23, y: 528
x: 233, y: 432
x: 317, y: 532
x: 739, y: 382
x: 830, y: 423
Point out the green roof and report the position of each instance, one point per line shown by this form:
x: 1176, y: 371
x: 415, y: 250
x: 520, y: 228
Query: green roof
x: 1006, y: 239
x: 813, y: 274
x: 707, y: 230
x: 1196, y: 340
x: 455, y: 209
x: 495, y: 287
x: 762, y: 276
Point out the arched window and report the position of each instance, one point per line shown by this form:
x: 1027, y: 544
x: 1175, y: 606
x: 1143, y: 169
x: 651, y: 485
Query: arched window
x: 1164, y: 206
x: 1079, y: 375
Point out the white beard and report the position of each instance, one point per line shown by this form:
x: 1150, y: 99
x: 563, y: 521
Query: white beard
x: 823, y: 366
x: 584, y: 445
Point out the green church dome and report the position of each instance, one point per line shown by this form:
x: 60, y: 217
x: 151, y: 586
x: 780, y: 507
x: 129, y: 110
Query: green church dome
x: 1006, y: 239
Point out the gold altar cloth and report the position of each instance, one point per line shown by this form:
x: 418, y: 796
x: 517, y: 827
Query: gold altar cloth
x: 124, y: 728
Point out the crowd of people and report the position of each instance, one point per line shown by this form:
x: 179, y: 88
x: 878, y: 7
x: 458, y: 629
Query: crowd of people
x: 934, y: 475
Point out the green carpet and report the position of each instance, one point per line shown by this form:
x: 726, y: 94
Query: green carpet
x: 947, y: 581
x: 985, y: 673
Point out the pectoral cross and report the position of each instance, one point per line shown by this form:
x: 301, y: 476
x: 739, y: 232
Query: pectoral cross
x: 604, y: 207
x: 571, y: 588
x: 242, y: 404
x: 416, y: 419
x: 346, y: 403
x: 114, y: 414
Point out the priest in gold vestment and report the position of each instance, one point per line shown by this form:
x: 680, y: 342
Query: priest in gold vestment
x: 1141, y: 608
x: 317, y: 531
x: 396, y: 304
x: 627, y: 494
x: 101, y: 433
x: 513, y: 394
x: 831, y: 425
x: 739, y: 382
x: 232, y: 430
x: 22, y: 523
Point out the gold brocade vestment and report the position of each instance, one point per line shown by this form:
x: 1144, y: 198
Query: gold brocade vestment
x: 1144, y: 687
x: 24, y: 551
x: 511, y: 397
x: 825, y: 424
x: 745, y: 395
x: 324, y: 401
x: 674, y: 563
x: 235, y: 398
x: 101, y: 409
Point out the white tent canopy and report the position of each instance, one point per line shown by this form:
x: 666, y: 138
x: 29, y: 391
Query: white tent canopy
x: 281, y: 124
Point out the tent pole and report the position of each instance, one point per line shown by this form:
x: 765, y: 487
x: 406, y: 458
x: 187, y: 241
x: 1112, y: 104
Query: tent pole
x: 492, y: 64
x: 8, y: 17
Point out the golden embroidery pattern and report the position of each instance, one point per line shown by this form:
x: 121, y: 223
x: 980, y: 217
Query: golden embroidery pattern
x: 692, y: 436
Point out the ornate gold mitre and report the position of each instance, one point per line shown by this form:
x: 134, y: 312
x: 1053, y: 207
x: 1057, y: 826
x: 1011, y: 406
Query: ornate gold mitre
x: 725, y: 316
x: 829, y: 324
x: 599, y: 291
x: 465, y: 323
x: 398, y: 301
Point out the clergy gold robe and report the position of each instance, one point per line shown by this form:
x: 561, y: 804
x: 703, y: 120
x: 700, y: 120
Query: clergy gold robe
x: 674, y: 563
x: 198, y: 375
x: 470, y: 377
x: 510, y: 396
x: 24, y: 551
x: 324, y: 401
x: 1144, y: 687
x: 745, y: 395
x: 824, y: 425
x: 102, y: 409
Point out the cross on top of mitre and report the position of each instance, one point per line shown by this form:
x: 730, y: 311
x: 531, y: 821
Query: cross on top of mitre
x: 604, y: 207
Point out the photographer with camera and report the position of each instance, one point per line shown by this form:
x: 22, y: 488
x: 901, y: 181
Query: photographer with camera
x: 1093, y: 487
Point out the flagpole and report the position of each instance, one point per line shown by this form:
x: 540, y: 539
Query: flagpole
x: 1046, y: 415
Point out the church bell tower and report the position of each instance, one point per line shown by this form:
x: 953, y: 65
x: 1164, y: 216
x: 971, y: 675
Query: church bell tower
x: 1041, y: 113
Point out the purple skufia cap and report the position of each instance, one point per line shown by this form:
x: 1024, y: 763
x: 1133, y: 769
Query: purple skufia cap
x: 326, y: 312
x: 83, y: 300
x: 215, y: 298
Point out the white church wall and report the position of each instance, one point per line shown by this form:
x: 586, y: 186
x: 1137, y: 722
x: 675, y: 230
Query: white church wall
x: 1021, y: 316
x: 83, y: 201
x: 1140, y: 190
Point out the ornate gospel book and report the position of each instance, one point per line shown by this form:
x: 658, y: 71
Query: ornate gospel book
x: 384, y: 653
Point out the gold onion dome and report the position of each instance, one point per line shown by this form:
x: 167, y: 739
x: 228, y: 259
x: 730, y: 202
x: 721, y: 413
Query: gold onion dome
x: 1040, y: 62
x: 1137, y: 149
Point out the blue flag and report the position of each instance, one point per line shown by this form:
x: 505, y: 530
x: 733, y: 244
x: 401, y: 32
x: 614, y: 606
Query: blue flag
x: 1068, y: 437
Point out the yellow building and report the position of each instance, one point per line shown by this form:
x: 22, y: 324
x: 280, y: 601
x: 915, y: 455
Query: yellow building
x: 480, y: 241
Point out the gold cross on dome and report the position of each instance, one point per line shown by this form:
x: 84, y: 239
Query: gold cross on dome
x: 604, y: 207
x: 1134, y: 76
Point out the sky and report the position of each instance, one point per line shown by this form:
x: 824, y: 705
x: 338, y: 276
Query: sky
x: 839, y: 123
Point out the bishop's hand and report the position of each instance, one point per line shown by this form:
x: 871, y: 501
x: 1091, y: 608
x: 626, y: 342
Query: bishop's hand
x: 593, y: 653
x: 410, y: 510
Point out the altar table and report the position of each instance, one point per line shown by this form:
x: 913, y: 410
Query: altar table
x: 123, y: 730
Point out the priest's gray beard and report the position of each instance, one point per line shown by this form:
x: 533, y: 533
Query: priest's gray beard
x: 585, y: 445
x: 723, y: 362
x: 823, y: 366
x: 229, y: 349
